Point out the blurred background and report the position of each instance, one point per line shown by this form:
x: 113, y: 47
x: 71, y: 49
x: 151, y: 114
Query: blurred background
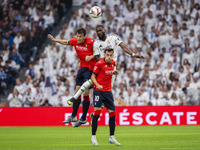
x: 166, y: 32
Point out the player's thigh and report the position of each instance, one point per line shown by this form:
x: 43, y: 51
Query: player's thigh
x: 97, y: 98
x: 87, y: 74
x: 80, y: 77
x: 77, y: 88
x: 109, y: 101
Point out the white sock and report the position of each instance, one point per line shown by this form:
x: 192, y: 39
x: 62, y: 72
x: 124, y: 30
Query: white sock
x: 112, y: 136
x: 83, y: 88
x: 94, y: 136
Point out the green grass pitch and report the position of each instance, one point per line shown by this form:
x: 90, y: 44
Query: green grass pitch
x: 70, y: 138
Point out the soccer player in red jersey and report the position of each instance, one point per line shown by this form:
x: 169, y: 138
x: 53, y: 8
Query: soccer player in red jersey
x: 84, y: 49
x: 102, y: 78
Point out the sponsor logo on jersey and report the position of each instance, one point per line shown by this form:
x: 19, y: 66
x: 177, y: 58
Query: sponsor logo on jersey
x: 81, y: 48
x: 109, y: 72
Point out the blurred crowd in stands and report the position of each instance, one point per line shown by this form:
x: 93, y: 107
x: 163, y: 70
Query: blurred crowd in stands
x: 166, y: 32
x: 24, y: 25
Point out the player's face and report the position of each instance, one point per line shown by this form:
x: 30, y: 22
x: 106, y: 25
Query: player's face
x: 108, y: 56
x: 80, y: 38
x: 101, y: 33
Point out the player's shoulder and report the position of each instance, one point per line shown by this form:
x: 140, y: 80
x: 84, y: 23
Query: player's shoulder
x: 113, y: 36
x: 90, y: 40
x: 101, y: 61
x: 97, y: 42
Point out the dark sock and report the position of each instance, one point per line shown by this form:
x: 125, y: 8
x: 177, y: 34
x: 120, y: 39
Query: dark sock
x: 94, y: 124
x: 112, y: 125
x: 86, y: 105
x: 75, y: 107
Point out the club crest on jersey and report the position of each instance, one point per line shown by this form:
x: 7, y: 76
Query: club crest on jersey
x: 86, y: 45
x: 108, y: 41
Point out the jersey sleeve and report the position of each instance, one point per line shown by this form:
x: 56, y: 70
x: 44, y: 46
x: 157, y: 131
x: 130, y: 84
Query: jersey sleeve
x: 72, y: 41
x: 97, y: 67
x: 96, y: 49
x: 117, y: 40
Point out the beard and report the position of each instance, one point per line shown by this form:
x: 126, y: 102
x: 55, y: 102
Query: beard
x: 102, y: 37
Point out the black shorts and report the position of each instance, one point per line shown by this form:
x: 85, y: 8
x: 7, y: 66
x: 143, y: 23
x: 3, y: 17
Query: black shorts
x: 83, y: 75
x: 105, y: 97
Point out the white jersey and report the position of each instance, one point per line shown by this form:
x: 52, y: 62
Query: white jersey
x: 112, y: 41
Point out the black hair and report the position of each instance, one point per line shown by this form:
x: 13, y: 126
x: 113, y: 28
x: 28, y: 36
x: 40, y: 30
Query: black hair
x: 109, y: 50
x: 101, y: 26
x: 81, y: 30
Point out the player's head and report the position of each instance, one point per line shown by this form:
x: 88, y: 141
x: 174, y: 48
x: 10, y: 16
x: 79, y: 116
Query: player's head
x: 108, y: 54
x: 101, y: 32
x: 81, y: 35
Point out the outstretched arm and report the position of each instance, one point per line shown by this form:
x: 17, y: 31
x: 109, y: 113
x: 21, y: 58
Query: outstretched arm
x: 64, y: 42
x: 126, y: 50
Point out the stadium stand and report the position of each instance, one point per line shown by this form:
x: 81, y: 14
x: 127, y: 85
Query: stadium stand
x: 166, y: 32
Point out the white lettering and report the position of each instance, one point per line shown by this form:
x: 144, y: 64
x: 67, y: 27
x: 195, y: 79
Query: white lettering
x: 191, y: 117
x: 148, y: 118
x: 123, y: 117
x: 106, y: 118
x: 178, y: 116
x: 165, y: 118
x: 81, y: 48
x: 137, y: 117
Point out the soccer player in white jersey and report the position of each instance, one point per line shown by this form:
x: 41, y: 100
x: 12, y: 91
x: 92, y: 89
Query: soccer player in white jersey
x: 104, y: 42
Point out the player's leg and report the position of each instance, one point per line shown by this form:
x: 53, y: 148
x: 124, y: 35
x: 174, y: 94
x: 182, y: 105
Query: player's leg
x: 86, y: 101
x: 76, y: 104
x: 75, y: 107
x: 86, y: 105
x: 97, y: 99
x: 97, y: 112
x: 86, y: 85
x: 109, y: 104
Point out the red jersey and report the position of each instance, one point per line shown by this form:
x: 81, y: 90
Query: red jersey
x: 104, y: 72
x: 83, y: 50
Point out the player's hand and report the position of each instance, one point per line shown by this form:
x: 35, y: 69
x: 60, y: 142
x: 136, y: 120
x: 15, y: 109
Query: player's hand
x: 51, y: 37
x: 100, y: 87
x: 116, y: 72
x: 88, y: 58
x: 139, y: 56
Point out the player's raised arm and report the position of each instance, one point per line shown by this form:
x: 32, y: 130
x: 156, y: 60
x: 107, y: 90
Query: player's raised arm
x: 126, y: 50
x: 64, y: 42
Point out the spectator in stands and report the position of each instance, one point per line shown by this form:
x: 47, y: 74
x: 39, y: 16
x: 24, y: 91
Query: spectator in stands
x: 3, y: 80
x: 33, y: 45
x: 14, y: 56
x: 28, y: 98
x: 31, y: 72
x: 190, y: 96
x: 174, y: 100
x: 15, y: 99
x: 24, y: 50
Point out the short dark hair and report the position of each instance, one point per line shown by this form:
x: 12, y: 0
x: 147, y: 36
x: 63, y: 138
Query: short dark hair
x: 109, y: 50
x: 101, y: 26
x: 81, y: 30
